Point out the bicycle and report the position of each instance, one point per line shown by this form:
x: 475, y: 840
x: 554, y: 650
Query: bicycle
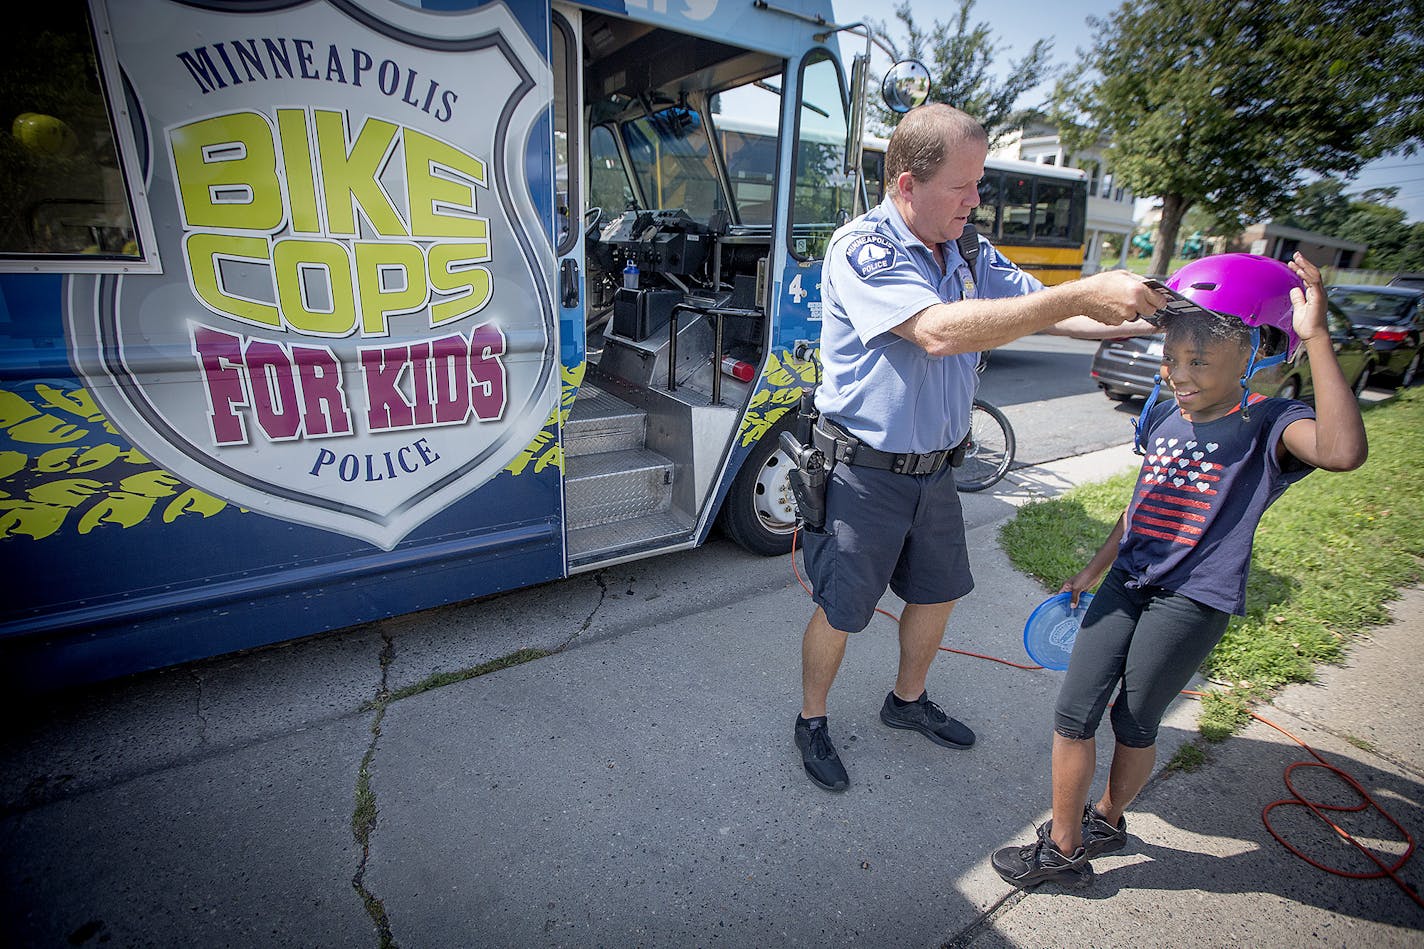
x: 990, y: 451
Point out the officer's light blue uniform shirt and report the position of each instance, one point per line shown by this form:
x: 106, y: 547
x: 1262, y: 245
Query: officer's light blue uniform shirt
x: 880, y: 387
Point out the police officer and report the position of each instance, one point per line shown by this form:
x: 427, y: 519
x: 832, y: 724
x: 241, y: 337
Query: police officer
x: 903, y: 322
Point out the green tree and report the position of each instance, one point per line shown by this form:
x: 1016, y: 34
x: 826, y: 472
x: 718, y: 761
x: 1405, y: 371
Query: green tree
x: 1382, y: 229
x: 1321, y: 206
x: 960, y: 55
x: 1224, y: 103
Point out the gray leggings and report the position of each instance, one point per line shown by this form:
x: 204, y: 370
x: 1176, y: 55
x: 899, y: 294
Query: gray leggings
x: 1152, y: 641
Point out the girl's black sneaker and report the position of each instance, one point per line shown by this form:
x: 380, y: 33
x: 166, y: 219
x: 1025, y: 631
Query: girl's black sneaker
x: 1041, y: 862
x: 1100, y: 837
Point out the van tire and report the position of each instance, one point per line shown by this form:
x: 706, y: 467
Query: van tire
x: 759, y: 512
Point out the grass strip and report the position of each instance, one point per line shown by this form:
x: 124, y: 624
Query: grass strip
x: 1328, y: 558
x: 441, y: 679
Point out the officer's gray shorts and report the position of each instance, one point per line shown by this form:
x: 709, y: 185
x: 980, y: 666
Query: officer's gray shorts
x: 882, y: 528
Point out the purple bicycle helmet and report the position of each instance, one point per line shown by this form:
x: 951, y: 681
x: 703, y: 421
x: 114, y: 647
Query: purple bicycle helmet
x: 1253, y: 288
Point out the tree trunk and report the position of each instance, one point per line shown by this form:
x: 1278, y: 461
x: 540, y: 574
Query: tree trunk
x: 1174, y: 208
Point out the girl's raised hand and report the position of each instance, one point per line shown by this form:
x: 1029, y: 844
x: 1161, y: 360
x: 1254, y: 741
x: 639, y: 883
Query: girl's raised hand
x: 1308, y: 318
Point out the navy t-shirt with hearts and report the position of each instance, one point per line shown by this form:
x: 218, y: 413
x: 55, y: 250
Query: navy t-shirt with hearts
x: 1199, y: 496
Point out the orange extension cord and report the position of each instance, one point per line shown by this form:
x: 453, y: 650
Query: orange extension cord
x: 1295, y: 800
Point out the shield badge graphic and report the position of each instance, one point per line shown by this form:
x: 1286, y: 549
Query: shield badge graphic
x: 354, y: 326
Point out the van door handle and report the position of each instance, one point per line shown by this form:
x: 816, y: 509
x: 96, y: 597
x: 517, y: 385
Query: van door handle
x: 568, y: 283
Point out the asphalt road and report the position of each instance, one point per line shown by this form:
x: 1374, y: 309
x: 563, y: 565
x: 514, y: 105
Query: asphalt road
x: 1043, y: 386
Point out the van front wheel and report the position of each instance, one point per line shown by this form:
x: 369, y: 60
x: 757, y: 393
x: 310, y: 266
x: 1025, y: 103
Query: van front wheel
x: 759, y: 512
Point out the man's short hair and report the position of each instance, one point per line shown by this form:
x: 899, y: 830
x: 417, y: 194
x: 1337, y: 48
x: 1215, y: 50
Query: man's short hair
x: 922, y: 140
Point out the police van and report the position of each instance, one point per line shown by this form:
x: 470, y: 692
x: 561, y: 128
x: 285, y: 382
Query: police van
x: 321, y: 311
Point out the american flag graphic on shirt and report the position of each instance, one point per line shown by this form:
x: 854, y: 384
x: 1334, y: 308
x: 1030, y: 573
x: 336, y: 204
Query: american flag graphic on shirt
x: 1200, y: 493
x: 1176, y: 490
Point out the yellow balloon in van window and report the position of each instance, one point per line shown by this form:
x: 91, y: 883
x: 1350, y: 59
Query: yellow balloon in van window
x: 43, y: 134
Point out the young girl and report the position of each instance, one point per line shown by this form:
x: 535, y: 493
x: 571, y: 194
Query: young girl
x: 1214, y: 461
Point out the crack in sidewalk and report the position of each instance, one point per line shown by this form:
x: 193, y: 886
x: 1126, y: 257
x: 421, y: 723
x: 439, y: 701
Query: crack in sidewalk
x: 588, y: 620
x: 363, y: 817
x: 365, y: 812
x: 198, y: 709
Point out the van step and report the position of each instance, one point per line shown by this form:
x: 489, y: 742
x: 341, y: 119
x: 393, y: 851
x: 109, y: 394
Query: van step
x: 600, y: 421
x: 615, y: 485
x: 588, y: 544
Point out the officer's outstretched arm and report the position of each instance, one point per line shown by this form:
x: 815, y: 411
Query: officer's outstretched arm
x: 1110, y: 298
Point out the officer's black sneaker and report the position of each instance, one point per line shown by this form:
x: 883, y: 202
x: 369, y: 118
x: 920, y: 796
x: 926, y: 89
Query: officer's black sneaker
x: 818, y: 755
x: 1041, y: 862
x: 1100, y: 837
x: 928, y: 719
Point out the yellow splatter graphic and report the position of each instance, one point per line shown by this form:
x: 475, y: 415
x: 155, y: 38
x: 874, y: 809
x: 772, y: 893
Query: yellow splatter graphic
x: 545, y: 449
x: 779, y: 392
x: 62, y: 464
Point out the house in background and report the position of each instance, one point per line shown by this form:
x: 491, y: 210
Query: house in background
x: 1110, y: 206
x: 1278, y: 241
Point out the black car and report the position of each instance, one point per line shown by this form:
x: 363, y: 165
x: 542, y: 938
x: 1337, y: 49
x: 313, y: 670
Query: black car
x: 1392, y: 318
x: 1126, y: 367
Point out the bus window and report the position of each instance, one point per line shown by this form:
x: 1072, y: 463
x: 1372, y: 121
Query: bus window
x: 751, y: 169
x: 872, y: 164
x: 1053, y: 204
x: 608, y: 186
x: 746, y: 117
x: 986, y: 216
x: 63, y: 196
x: 822, y: 196
x: 565, y: 132
x: 1016, y: 209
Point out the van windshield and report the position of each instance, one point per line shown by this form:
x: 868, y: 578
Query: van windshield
x: 672, y: 160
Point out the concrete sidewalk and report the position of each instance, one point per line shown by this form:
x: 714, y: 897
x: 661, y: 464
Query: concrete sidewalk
x: 640, y: 787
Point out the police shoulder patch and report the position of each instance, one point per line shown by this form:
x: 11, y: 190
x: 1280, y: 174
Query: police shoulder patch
x: 869, y: 254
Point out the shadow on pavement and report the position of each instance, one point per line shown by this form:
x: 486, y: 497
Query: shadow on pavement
x: 1204, y: 869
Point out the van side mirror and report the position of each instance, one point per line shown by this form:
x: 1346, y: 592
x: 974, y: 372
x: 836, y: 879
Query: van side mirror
x: 906, y: 85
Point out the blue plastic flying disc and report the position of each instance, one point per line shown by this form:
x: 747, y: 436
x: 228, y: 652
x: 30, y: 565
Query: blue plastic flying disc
x: 1051, y: 629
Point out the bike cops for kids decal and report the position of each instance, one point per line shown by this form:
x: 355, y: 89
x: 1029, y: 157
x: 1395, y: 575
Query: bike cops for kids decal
x: 869, y: 254
x: 354, y: 324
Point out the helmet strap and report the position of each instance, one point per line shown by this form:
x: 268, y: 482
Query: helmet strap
x: 1253, y: 366
x: 1139, y: 427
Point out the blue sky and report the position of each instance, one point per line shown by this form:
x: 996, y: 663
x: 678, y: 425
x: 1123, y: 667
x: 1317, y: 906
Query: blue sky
x: 1066, y: 23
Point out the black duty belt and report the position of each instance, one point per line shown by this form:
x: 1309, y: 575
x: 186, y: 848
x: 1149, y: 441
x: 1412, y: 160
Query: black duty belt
x: 844, y: 447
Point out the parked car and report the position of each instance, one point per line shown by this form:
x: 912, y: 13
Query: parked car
x: 1392, y: 318
x: 1126, y: 367
x: 1412, y: 280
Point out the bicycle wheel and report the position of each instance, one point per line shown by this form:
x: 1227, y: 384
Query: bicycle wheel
x: 990, y: 452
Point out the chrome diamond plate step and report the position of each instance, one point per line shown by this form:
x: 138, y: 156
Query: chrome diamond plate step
x: 601, y: 422
x: 614, y: 485
x: 589, y: 544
